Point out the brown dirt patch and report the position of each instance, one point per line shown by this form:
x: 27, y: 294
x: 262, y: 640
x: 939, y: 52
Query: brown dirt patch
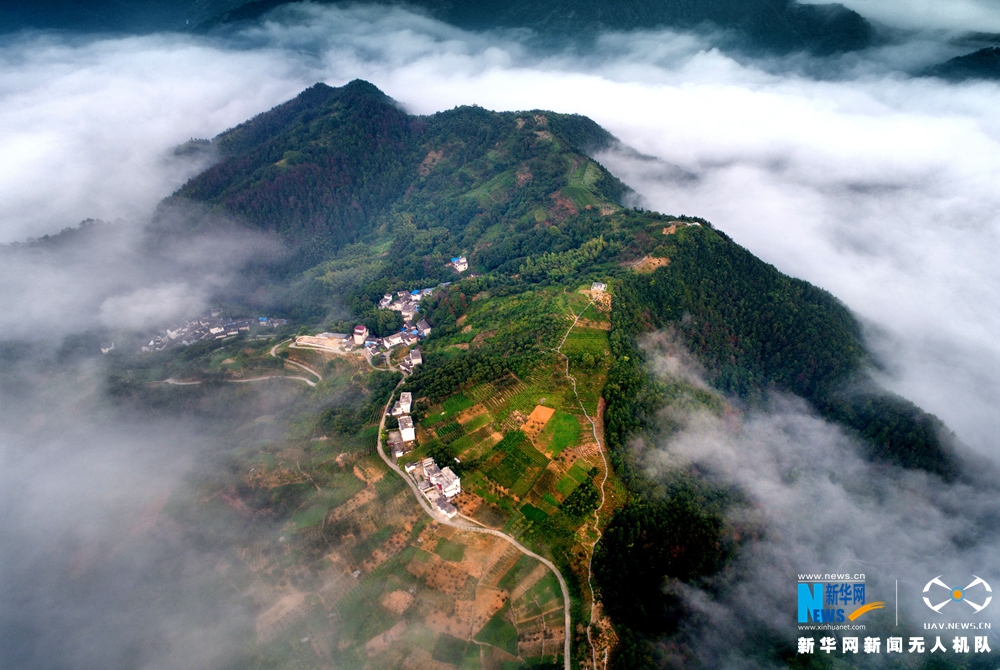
x: 467, y: 415
x: 596, y: 325
x: 397, y: 602
x: 380, y: 643
x: 648, y: 264
x: 439, y: 574
x: 430, y: 160
x: 537, y: 420
x: 467, y: 503
x: 392, y: 546
x: 362, y: 497
x: 602, y: 300
x: 479, y: 338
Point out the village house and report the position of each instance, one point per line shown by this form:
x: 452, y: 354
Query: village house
x: 412, y: 359
x: 403, y: 405
x: 393, y: 340
x: 423, y: 328
x: 598, y: 287
x: 360, y: 333
x: 397, y: 446
x: 439, y: 485
x: 406, y: 429
x: 460, y: 263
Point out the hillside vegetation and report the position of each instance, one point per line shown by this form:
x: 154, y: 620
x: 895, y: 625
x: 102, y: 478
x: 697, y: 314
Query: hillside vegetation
x: 369, y: 199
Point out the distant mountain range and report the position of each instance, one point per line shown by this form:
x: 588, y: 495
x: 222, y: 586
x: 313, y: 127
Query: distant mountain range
x: 752, y: 27
x: 775, y: 26
x: 982, y: 64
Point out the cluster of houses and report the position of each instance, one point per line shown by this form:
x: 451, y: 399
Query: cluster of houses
x: 207, y: 328
x: 401, y: 441
x: 360, y: 340
x: 407, y: 303
x: 439, y: 485
x: 376, y: 345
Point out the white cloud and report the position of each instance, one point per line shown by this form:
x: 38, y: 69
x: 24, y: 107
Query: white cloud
x: 145, y: 307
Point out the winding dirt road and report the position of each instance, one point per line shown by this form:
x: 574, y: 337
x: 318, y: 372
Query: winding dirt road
x: 442, y: 519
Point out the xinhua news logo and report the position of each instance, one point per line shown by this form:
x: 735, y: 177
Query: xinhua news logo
x: 831, y: 599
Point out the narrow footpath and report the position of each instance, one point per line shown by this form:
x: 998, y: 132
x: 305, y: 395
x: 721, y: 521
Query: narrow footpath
x: 604, y: 481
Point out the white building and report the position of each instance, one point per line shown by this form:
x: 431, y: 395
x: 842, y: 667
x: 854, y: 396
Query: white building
x: 448, y: 483
x: 443, y: 479
x: 360, y: 333
x: 598, y: 287
x: 439, y: 486
x: 460, y: 263
x: 406, y: 429
x: 423, y: 328
x: 415, y: 357
x: 405, y: 401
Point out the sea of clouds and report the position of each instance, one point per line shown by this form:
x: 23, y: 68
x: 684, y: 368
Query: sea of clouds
x: 847, y: 172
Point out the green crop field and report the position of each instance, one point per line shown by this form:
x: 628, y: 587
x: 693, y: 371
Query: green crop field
x: 521, y: 569
x: 448, y: 649
x: 456, y: 404
x: 450, y: 551
x: 477, y: 422
x: 463, y: 444
x: 579, y: 471
x: 309, y: 517
x: 450, y: 432
x: 533, y: 513
x: 362, y: 550
x: 520, y: 465
x: 566, y: 485
x: 563, y: 430
x: 500, y: 633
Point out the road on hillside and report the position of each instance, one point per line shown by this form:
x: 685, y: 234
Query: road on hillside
x: 442, y: 519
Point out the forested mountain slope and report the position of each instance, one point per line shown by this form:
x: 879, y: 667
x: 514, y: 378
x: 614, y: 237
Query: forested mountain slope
x: 370, y: 200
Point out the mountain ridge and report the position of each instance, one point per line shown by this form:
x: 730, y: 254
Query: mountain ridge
x: 767, y: 26
x: 373, y: 203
